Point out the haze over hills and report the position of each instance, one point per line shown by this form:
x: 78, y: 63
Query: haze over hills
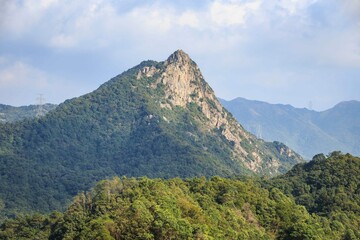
x: 307, y: 132
x: 13, y: 114
x: 158, y: 119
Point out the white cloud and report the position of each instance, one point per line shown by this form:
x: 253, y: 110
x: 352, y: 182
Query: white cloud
x: 69, y: 24
x: 232, y: 13
x: 292, y: 7
x: 151, y: 19
x: 21, y: 16
x: 63, y: 41
x: 352, y: 8
x: 44, y: 4
x: 189, y: 18
x: 219, y: 24
x: 19, y: 74
x: 241, y: 35
x: 20, y: 84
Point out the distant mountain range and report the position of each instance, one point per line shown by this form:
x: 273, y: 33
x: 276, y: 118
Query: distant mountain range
x: 158, y: 119
x: 307, y: 132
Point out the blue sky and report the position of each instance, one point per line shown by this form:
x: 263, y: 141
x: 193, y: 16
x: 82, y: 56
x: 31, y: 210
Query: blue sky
x: 285, y: 51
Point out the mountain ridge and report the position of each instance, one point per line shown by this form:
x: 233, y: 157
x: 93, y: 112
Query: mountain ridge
x: 308, y: 132
x: 12, y: 114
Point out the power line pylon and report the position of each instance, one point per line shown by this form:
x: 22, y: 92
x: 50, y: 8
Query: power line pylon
x: 40, y: 111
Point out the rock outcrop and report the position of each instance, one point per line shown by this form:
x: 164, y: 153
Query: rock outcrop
x: 184, y: 84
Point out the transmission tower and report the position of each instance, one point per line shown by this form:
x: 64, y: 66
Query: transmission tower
x: 259, y: 131
x: 40, y: 111
x: 310, y: 105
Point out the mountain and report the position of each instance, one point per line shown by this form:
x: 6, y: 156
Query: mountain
x: 329, y: 187
x: 342, y: 122
x: 14, y: 114
x: 158, y: 119
x: 307, y: 132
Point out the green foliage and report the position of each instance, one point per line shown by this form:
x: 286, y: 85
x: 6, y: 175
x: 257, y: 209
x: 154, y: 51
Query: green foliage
x: 36, y: 226
x: 174, y: 209
x: 328, y: 187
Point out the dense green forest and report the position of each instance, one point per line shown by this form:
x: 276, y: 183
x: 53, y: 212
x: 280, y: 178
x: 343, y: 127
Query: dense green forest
x: 323, y: 202
x: 328, y: 187
x: 215, y: 208
x: 173, y: 209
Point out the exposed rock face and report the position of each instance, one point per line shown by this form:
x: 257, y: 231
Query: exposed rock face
x: 184, y: 84
x: 181, y: 79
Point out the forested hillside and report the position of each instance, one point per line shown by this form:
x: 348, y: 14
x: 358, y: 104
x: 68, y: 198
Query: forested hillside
x: 329, y: 187
x: 323, y: 203
x: 158, y: 119
x: 174, y: 209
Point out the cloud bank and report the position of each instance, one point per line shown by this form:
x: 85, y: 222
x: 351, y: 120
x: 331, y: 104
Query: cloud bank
x: 248, y: 48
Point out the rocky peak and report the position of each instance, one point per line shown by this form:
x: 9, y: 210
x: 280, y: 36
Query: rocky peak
x: 182, y: 79
x: 183, y: 84
x: 179, y: 57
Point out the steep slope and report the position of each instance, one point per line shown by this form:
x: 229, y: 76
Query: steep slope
x: 14, y: 114
x: 327, y: 186
x: 307, y: 132
x: 159, y: 119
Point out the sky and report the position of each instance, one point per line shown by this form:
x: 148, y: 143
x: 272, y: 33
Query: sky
x: 300, y: 52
